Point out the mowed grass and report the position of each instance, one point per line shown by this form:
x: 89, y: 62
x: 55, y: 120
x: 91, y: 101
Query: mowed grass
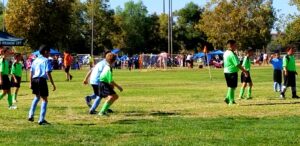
x: 157, y: 107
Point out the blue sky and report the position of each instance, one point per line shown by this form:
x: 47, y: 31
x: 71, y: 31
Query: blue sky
x: 157, y: 5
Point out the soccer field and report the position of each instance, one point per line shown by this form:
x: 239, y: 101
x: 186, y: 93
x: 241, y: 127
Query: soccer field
x: 157, y: 107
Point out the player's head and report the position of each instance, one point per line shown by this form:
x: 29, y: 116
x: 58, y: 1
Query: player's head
x: 66, y: 52
x: 290, y: 50
x: 231, y: 44
x: 105, y: 53
x: 276, y: 53
x: 44, y: 50
x: 110, y: 58
x: 4, y: 51
x: 249, y: 51
x: 17, y: 57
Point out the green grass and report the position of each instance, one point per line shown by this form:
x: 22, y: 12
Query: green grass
x: 158, y: 107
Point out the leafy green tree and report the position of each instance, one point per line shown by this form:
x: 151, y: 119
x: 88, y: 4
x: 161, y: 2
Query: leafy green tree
x: 103, y: 24
x: 132, y: 21
x: 247, y: 21
x: 186, y: 32
x: 40, y: 22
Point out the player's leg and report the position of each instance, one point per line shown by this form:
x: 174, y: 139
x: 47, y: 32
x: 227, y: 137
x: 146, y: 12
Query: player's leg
x: 250, y: 90
x: 3, y: 94
x: 275, y: 86
x: 242, y: 90
x: 293, y: 85
x: 111, y: 99
x: 34, y: 103
x: 284, y: 87
x: 15, y: 94
x: 233, y: 85
x: 43, y: 112
x: 10, y: 99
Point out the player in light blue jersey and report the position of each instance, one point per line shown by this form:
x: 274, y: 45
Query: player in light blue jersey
x: 39, y: 73
x: 93, y: 77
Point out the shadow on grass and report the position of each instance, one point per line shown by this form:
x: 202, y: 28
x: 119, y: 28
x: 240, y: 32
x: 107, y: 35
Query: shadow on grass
x: 154, y: 113
x: 132, y: 121
x: 278, y: 103
x: 162, y: 113
x: 84, y: 124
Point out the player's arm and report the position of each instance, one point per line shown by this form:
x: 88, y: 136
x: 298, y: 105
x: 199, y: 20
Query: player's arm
x: 270, y: 59
x: 48, y: 73
x: 14, y: 77
x: 85, y: 81
x: 238, y: 65
x: 30, y: 78
x: 285, y: 71
x: 113, y: 83
x: 1, y: 69
x: 0, y: 78
x: 51, y: 80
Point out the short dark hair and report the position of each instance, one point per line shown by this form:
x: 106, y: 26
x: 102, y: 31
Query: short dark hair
x: 43, y: 49
x: 106, y: 52
x: 17, y: 55
x: 289, y: 47
x: 110, y: 57
x: 231, y: 42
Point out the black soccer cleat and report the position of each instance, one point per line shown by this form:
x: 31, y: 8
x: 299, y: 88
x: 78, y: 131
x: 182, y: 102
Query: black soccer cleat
x: 44, y: 122
x: 296, y: 97
x: 226, y: 100
x: 110, y: 111
x: 93, y: 112
x: 31, y: 119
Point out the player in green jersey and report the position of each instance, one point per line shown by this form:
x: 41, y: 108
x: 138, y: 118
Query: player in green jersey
x: 246, y: 80
x: 16, y: 72
x: 231, y: 67
x: 289, y: 70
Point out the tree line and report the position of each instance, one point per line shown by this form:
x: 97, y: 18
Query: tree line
x: 66, y: 24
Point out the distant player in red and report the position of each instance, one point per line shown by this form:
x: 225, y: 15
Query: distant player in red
x: 68, y: 59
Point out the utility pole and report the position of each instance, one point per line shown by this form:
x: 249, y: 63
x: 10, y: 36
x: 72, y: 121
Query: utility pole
x: 169, y: 46
x: 164, y: 7
x: 171, y: 22
x: 92, y: 40
x: 170, y: 28
x: 3, y: 23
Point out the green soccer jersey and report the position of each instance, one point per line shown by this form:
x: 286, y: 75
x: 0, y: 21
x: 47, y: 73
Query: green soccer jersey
x: 246, y: 63
x: 289, y: 62
x: 231, y: 62
x: 4, y: 68
x: 16, y: 69
x: 106, y: 74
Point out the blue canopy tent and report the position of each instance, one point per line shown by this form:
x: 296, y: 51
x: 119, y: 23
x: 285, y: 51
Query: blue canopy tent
x: 217, y: 52
x: 52, y: 52
x: 213, y: 53
x: 124, y: 58
x: 198, y: 55
x: 9, y: 40
x: 115, y: 51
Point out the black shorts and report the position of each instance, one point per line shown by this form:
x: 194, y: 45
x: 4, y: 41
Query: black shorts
x: 13, y: 84
x: 290, y: 79
x: 67, y: 69
x: 5, y: 83
x: 106, y: 89
x: 277, y: 76
x: 231, y: 79
x: 245, y: 79
x: 39, y: 87
x: 96, y: 89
